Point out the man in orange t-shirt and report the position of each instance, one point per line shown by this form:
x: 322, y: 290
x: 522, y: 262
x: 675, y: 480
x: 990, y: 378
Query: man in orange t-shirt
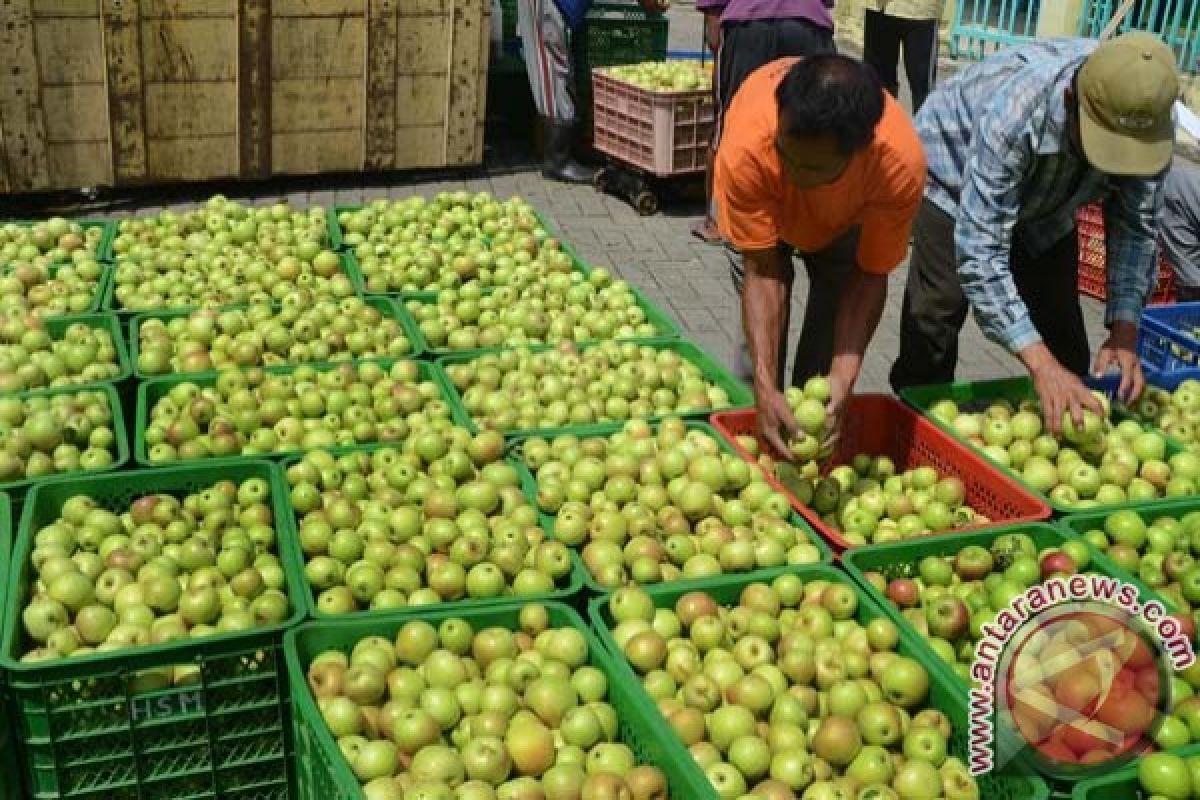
x: 816, y: 159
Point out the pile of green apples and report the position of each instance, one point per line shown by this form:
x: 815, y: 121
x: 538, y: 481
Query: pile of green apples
x: 48, y: 434
x: 456, y: 238
x: 224, y: 254
x: 649, y: 506
x: 247, y: 412
x: 948, y: 599
x: 221, y: 226
x: 50, y: 290
x: 1163, y: 554
x: 304, y: 328
x: 1176, y: 413
x: 561, y: 307
x: 50, y: 241
x: 607, y: 382
x: 162, y: 569
x: 666, y: 76
x: 1164, y: 776
x: 30, y: 358
x: 1101, y: 463
x: 786, y: 695
x: 466, y: 713
x: 440, y: 518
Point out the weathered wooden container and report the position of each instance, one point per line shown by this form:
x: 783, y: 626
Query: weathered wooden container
x: 126, y: 92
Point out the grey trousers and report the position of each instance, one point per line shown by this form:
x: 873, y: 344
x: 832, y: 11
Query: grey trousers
x: 547, y: 58
x: 827, y: 270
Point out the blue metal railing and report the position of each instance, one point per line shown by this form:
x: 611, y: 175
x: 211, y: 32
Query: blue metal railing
x: 1176, y: 21
x: 983, y: 26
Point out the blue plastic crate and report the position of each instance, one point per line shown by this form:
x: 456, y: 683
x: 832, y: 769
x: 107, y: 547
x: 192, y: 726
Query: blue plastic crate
x: 1165, y: 342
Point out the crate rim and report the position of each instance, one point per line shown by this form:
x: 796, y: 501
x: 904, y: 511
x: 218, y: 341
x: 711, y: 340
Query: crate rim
x: 155, y: 654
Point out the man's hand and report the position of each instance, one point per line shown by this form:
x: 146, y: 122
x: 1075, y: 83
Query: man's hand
x: 1058, y: 389
x: 1120, y: 350
x: 655, y: 6
x: 774, y: 415
x: 840, y: 390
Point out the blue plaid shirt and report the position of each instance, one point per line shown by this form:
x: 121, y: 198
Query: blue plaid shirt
x: 1000, y: 162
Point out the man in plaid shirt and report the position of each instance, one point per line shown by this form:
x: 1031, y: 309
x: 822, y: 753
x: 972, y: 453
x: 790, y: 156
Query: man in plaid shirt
x: 1015, y: 145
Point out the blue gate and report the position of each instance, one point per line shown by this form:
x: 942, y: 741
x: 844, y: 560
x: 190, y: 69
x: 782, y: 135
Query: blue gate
x: 1176, y: 21
x: 983, y: 26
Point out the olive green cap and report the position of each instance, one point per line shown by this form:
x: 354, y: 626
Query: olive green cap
x: 1127, y: 91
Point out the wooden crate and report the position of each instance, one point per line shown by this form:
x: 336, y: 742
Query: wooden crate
x: 126, y: 92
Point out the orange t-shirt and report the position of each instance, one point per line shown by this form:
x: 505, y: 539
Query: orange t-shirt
x: 757, y: 207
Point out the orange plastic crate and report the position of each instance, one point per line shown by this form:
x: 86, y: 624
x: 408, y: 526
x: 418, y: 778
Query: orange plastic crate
x: 1093, y: 260
x: 663, y: 133
x: 882, y: 425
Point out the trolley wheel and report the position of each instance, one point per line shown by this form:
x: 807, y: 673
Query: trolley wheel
x: 645, y: 202
x: 602, y: 180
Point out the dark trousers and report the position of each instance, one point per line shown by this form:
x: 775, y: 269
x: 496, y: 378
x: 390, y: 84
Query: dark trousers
x: 883, y: 36
x: 750, y: 44
x: 935, y: 308
x: 827, y: 270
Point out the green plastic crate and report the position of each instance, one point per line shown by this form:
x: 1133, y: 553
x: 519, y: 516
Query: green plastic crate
x: 665, y: 327
x: 385, y: 305
x: 153, y: 390
x: 605, y: 430
x: 120, y: 433
x: 1075, y: 525
x: 88, y: 730
x: 10, y: 784
x: 740, y: 395
x: 56, y: 327
x: 575, y: 580
x: 323, y: 771
x: 726, y: 589
x: 980, y: 393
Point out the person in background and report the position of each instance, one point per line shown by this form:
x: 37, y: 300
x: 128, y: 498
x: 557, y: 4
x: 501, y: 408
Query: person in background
x: 544, y: 27
x: 1016, y: 144
x: 754, y: 33
x: 1179, y: 229
x: 913, y: 25
x: 816, y: 159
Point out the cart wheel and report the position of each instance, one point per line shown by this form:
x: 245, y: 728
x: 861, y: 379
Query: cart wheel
x: 601, y: 180
x: 646, y: 202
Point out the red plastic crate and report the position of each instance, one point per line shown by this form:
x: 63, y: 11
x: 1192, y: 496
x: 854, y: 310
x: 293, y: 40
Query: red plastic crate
x: 663, y: 133
x: 1093, y: 259
x: 881, y: 425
